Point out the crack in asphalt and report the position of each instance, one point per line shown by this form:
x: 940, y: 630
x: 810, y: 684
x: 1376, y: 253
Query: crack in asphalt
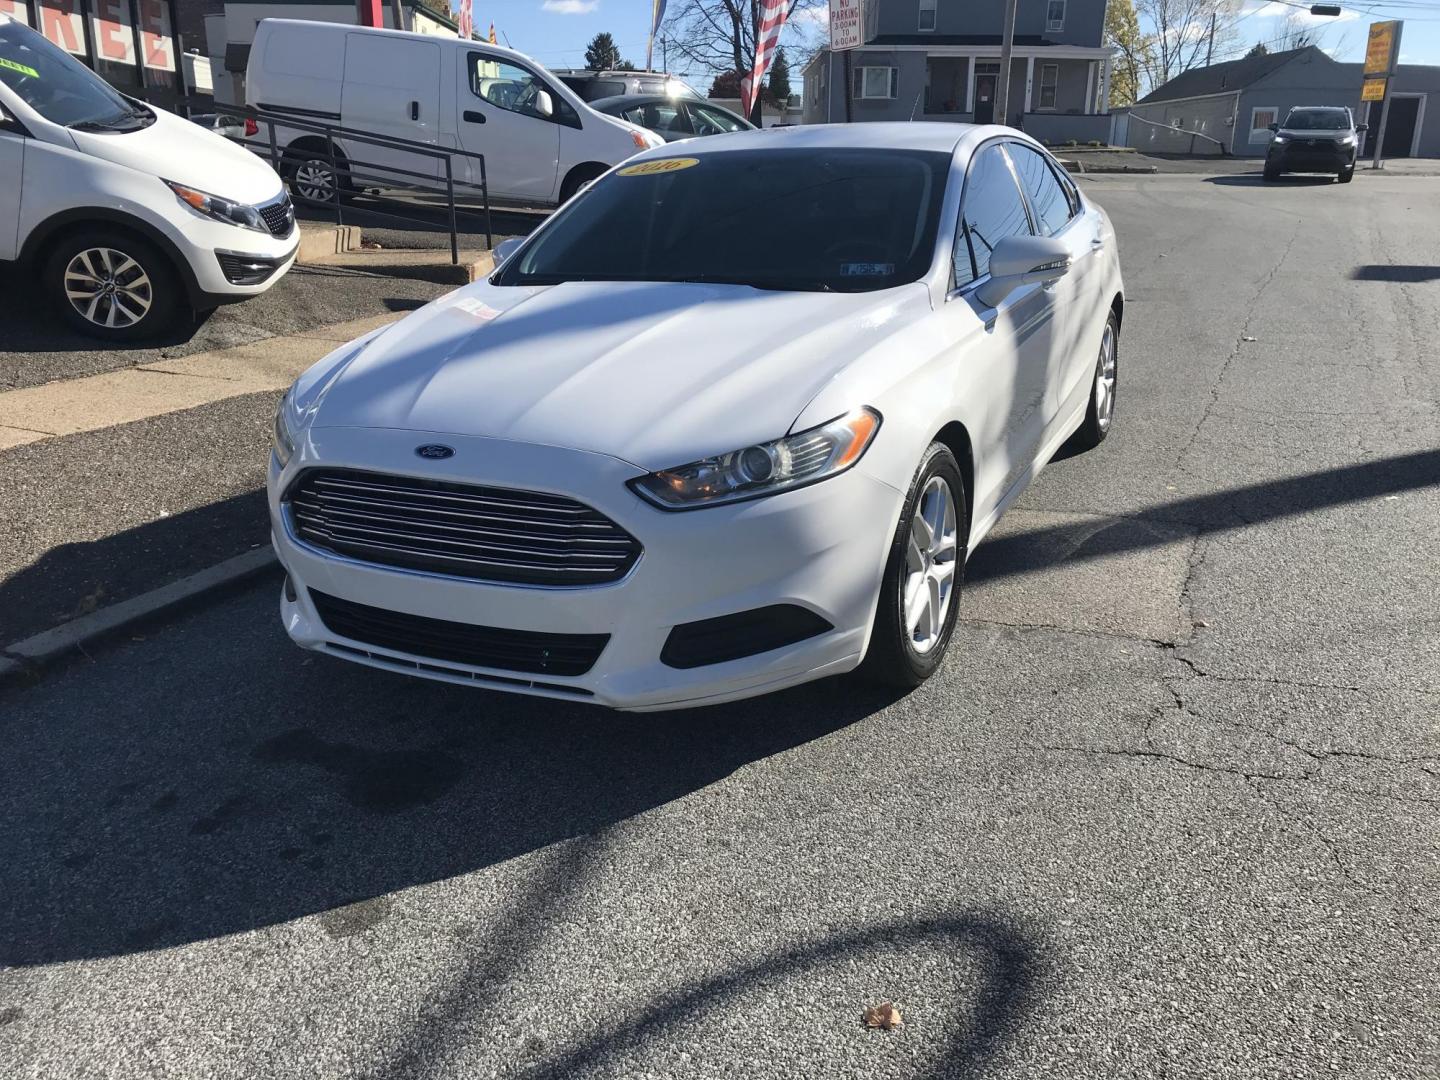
x: 1250, y: 311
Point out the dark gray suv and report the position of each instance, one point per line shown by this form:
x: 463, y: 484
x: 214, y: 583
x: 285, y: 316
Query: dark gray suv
x: 1315, y: 138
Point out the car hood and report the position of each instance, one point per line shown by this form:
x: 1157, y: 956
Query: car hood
x: 657, y: 374
x: 175, y: 149
x: 1327, y: 135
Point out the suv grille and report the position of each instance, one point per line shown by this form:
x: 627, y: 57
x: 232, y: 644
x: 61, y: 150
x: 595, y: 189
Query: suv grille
x: 279, y: 215
x: 489, y: 534
x: 461, y: 643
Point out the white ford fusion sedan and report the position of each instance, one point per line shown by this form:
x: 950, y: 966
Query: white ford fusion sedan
x: 731, y: 420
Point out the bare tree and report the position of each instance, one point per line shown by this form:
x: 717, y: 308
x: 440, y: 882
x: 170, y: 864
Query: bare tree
x: 1296, y: 32
x: 719, y: 35
x: 1187, y: 34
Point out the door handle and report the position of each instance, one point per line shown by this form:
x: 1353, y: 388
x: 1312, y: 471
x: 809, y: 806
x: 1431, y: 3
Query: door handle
x: 473, y: 117
x: 414, y: 110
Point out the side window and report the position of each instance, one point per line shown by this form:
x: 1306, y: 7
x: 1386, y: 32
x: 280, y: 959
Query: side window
x: 710, y: 121
x: 506, y: 86
x: 1048, y: 199
x: 603, y: 88
x: 990, y: 210
x: 666, y: 119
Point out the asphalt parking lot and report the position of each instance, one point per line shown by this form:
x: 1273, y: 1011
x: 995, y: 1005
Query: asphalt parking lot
x: 1171, y: 809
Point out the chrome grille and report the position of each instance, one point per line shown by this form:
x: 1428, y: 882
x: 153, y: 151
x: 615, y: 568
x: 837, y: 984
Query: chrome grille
x: 279, y: 215
x: 484, y: 533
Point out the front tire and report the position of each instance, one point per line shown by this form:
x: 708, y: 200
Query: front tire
x: 1270, y: 174
x: 112, y: 285
x: 920, y: 594
x: 1347, y: 175
x: 1100, y: 414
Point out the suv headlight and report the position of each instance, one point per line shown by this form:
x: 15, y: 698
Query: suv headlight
x: 764, y: 469
x: 287, y: 426
x: 1348, y: 140
x: 1279, y: 138
x: 232, y: 213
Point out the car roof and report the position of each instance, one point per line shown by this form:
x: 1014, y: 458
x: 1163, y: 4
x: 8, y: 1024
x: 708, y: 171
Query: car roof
x: 618, y: 101
x: 882, y: 136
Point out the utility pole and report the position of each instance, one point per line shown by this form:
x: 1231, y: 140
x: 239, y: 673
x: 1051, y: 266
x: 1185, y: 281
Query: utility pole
x: 397, y: 15
x: 1007, y: 46
x: 1210, y: 48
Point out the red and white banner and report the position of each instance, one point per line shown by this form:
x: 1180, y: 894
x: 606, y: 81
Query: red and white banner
x: 466, y: 19
x: 772, y: 20
x: 62, y: 23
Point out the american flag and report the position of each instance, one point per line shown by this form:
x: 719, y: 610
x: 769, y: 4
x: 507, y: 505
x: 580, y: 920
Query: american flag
x: 466, y: 20
x: 773, y: 14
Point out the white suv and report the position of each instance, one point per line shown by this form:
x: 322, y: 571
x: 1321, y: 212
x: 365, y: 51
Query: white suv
x: 129, y: 216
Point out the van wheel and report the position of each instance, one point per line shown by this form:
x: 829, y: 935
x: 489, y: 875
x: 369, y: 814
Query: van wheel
x: 307, y: 168
x: 110, y: 284
x: 577, y: 178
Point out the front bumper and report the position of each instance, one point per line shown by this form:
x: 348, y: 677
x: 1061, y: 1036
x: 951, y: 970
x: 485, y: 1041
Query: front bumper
x: 821, y: 548
x: 1311, y: 155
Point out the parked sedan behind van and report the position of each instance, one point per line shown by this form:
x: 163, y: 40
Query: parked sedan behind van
x: 673, y: 118
x: 129, y: 216
x: 540, y: 141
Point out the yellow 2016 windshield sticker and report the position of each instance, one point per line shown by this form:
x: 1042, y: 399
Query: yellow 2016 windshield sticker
x: 664, y: 165
x: 13, y: 66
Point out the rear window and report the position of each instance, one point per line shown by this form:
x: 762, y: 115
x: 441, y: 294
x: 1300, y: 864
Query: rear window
x: 603, y: 88
x: 846, y: 220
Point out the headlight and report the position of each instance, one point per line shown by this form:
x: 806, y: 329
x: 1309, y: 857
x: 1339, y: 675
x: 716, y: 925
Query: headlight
x: 1348, y: 140
x: 232, y: 213
x: 765, y: 469
x: 286, y: 425
x: 1279, y: 139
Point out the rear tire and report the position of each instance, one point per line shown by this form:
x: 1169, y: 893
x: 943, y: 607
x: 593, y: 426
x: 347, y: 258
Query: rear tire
x: 306, y: 168
x: 920, y: 593
x: 578, y: 177
x: 110, y: 284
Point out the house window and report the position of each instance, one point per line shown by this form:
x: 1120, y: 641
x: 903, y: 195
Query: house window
x: 927, y: 14
x: 1055, y: 15
x: 877, y: 82
x: 1049, y: 80
x: 1260, y: 120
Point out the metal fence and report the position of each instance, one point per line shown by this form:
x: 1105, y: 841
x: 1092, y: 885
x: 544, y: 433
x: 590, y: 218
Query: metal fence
x: 348, y: 174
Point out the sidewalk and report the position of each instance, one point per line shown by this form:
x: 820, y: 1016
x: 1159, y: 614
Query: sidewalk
x: 120, y: 483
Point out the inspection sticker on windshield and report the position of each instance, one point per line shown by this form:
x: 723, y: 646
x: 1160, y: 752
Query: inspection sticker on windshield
x: 866, y: 269
x: 664, y: 165
x: 13, y: 66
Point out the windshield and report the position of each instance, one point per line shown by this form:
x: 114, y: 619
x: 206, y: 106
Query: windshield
x: 1317, y: 120
x: 843, y: 220
x: 59, y: 87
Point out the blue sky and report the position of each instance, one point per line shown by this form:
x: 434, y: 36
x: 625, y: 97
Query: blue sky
x: 556, y: 32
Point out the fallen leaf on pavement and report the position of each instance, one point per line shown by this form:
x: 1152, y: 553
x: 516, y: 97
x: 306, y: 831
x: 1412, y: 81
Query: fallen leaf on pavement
x: 885, y: 1016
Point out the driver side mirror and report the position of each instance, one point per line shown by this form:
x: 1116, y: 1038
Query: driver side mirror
x: 544, y: 104
x: 1362, y: 127
x: 1023, y: 260
x: 1273, y: 127
x: 505, y: 249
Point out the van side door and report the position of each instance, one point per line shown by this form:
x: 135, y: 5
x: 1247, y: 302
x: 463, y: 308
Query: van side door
x: 498, y: 117
x: 392, y: 88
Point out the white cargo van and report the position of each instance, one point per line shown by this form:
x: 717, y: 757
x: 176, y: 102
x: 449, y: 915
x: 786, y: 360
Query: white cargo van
x: 540, y: 140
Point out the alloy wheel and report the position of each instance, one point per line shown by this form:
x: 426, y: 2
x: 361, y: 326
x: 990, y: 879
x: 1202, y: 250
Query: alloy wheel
x: 108, y: 288
x: 1105, y: 380
x: 929, y: 566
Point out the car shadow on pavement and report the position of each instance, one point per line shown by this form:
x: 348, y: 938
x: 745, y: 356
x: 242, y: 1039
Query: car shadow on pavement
x: 219, y: 780
x: 1400, y: 273
x: 1257, y: 180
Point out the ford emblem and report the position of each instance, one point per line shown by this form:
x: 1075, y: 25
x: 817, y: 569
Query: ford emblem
x: 435, y: 451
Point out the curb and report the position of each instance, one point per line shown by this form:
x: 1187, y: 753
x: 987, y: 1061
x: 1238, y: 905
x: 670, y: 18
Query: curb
x: 32, y: 655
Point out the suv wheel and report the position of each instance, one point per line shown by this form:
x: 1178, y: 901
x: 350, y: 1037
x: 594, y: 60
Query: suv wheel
x: 1347, y: 175
x: 110, y: 284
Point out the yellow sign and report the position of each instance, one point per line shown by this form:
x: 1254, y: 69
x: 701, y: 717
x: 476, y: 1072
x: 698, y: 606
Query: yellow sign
x: 663, y: 165
x: 1380, y: 51
x: 1373, y: 90
x: 21, y: 68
